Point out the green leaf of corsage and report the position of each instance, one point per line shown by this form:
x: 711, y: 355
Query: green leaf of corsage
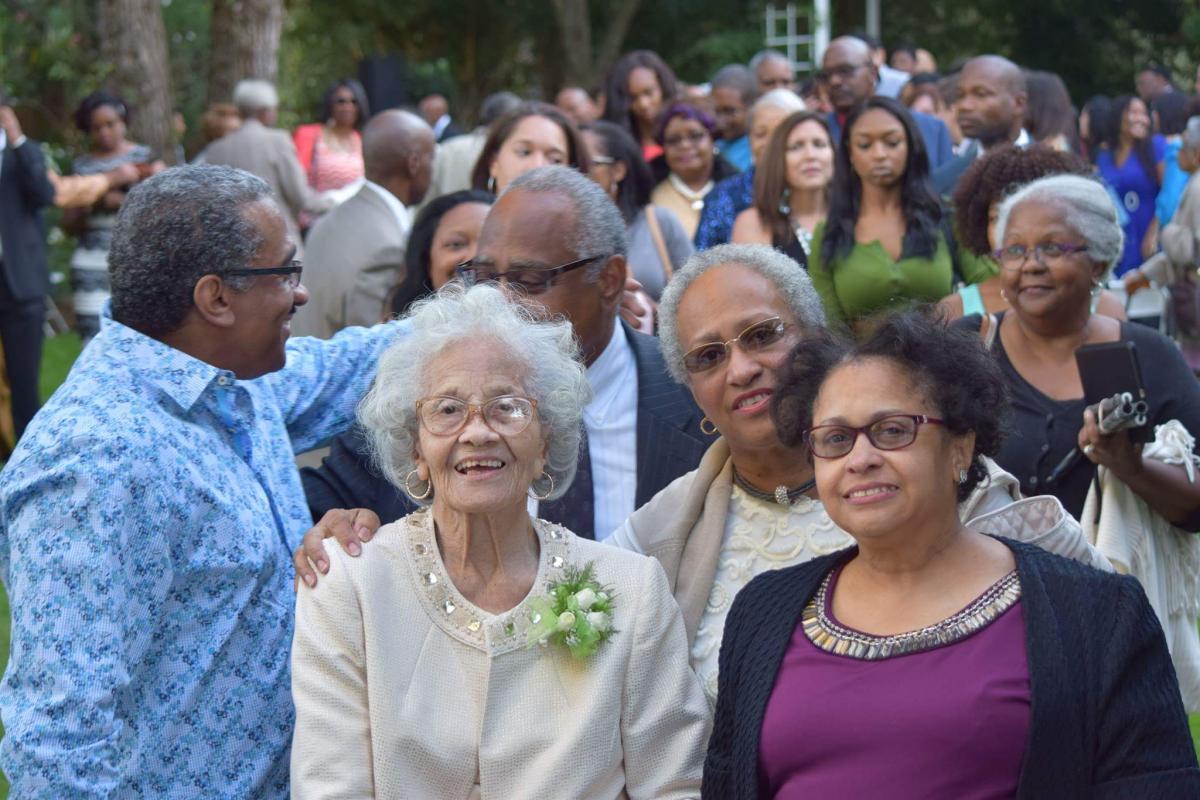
x: 575, y: 614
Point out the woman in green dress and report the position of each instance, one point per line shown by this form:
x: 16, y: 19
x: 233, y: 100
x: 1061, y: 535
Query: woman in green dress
x: 884, y: 244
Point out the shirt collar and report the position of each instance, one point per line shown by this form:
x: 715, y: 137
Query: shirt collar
x: 393, y: 203
x: 176, y: 374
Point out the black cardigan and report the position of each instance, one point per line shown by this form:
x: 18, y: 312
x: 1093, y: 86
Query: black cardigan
x: 1106, y: 719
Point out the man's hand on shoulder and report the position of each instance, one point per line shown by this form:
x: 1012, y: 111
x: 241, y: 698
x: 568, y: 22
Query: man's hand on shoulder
x: 349, y: 526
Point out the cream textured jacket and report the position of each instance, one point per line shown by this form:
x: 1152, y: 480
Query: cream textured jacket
x: 683, y: 526
x: 403, y: 689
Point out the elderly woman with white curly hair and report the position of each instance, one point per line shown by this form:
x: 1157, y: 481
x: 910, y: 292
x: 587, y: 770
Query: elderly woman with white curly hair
x: 471, y: 651
x: 728, y: 321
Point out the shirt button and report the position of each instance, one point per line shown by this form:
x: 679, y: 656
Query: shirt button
x: 222, y: 380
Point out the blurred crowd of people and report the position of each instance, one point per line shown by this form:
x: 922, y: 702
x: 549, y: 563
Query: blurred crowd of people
x: 728, y: 436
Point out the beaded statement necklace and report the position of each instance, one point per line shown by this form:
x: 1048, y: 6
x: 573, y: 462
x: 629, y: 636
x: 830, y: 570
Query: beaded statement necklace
x: 783, y: 495
x: 693, y: 197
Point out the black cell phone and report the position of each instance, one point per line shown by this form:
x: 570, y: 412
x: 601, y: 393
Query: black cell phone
x: 1109, y: 368
x: 1112, y: 368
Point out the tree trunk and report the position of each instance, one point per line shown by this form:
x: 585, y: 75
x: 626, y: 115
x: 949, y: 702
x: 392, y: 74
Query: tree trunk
x: 575, y: 28
x: 584, y: 66
x: 134, y: 41
x: 245, y: 44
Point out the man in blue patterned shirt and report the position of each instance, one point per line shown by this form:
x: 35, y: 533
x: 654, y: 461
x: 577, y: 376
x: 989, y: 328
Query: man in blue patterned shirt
x: 148, y: 518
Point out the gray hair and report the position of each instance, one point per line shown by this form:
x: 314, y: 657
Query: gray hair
x: 599, y: 227
x: 783, y: 99
x: 789, y: 278
x: 172, y: 230
x: 1088, y: 207
x: 254, y: 96
x: 1191, y: 134
x: 762, y: 56
x: 482, y: 314
x: 738, y: 78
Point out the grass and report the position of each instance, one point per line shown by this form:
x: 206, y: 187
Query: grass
x: 60, y: 353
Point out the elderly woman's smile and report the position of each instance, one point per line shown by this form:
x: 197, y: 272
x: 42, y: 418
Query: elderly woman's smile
x: 480, y: 441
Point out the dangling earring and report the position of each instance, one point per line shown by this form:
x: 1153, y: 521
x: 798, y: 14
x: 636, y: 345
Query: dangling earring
x: 1004, y: 297
x: 491, y: 184
x: 408, y: 487
x: 550, y: 491
x: 784, y: 208
x: 1097, y: 290
x: 711, y: 430
x: 962, y: 476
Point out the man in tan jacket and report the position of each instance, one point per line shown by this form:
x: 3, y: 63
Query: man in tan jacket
x: 265, y: 151
x: 355, y: 253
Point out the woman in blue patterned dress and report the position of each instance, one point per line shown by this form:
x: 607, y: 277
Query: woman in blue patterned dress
x: 1132, y: 164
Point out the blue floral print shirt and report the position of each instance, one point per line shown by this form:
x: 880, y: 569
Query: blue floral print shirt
x: 147, y: 521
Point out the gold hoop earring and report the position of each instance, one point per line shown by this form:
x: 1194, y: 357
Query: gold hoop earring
x: 550, y: 491
x: 411, y: 493
x: 491, y: 184
x: 711, y: 430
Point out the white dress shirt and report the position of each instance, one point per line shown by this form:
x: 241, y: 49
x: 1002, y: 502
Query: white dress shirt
x: 611, y: 424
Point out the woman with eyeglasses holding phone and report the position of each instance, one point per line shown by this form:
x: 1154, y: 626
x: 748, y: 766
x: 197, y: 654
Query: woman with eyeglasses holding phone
x: 473, y: 651
x: 933, y: 658
x: 331, y: 150
x: 691, y: 163
x: 728, y: 320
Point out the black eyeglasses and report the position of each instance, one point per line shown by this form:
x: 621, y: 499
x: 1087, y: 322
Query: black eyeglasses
x: 531, y: 281
x: 890, y: 433
x: 292, y: 271
x: 756, y: 338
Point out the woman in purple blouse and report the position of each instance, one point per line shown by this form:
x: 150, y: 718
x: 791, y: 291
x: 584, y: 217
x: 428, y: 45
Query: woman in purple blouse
x: 933, y: 660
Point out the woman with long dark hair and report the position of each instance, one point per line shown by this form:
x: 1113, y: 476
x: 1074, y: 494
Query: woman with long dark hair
x: 657, y: 244
x: 331, y: 150
x: 638, y: 87
x: 791, y: 187
x: 1049, y: 116
x: 884, y: 243
x: 533, y: 134
x: 1132, y: 163
x: 445, y: 235
x: 1093, y: 126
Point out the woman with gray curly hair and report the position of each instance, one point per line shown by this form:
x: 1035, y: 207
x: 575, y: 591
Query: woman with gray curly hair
x: 472, y: 651
x: 728, y: 321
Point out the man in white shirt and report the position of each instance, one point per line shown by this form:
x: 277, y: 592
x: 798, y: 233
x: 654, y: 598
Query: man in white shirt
x: 355, y: 253
x: 555, y: 235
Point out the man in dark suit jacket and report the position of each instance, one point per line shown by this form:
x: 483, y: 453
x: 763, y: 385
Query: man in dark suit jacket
x: 24, y: 189
x: 852, y: 77
x: 642, y: 429
x: 990, y: 111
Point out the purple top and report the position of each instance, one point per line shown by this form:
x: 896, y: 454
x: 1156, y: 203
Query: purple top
x: 946, y: 722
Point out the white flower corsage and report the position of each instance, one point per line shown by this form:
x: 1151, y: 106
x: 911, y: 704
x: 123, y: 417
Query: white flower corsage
x: 577, y: 613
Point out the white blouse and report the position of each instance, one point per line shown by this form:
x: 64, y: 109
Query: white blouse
x: 759, y: 536
x: 404, y: 689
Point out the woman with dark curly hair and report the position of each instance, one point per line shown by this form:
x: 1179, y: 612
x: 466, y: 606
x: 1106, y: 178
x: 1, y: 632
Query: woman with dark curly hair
x: 689, y: 163
x: 1132, y: 163
x: 533, y: 134
x: 444, y: 235
x: 331, y: 150
x: 977, y: 205
x: 636, y: 90
x: 103, y: 117
x: 884, y: 243
x: 935, y: 659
